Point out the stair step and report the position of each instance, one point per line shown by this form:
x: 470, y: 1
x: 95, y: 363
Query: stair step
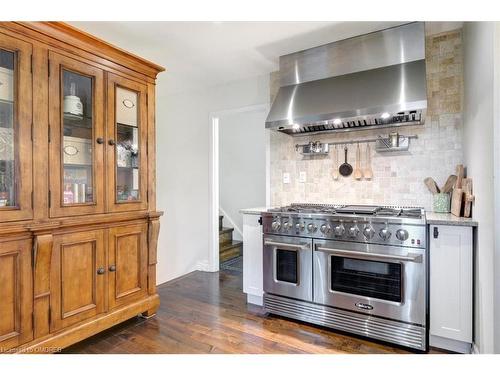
x: 225, y: 235
x: 230, y: 250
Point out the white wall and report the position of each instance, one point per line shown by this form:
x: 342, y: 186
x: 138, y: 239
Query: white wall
x: 183, y: 169
x: 496, y: 118
x: 242, y: 164
x: 478, y: 157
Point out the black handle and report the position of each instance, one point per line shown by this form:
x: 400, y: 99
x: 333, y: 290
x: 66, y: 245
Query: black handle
x: 100, y: 271
x: 112, y: 268
x: 345, y: 150
x: 111, y: 142
x: 260, y: 220
x: 436, y: 232
x: 100, y: 140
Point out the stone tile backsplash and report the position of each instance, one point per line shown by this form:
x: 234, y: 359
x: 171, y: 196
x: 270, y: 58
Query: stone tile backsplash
x: 397, y: 178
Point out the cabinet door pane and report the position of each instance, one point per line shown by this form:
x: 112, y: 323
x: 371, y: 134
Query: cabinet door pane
x: 127, y: 146
x: 127, y: 134
x: 77, y: 138
x: 7, y: 130
x: 15, y: 122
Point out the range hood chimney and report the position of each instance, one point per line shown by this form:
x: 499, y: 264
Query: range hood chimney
x: 371, y: 81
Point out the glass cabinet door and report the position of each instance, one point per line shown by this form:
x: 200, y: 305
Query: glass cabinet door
x: 76, y: 96
x: 127, y: 131
x: 15, y: 130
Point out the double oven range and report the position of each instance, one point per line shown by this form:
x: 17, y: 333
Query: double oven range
x: 359, y: 269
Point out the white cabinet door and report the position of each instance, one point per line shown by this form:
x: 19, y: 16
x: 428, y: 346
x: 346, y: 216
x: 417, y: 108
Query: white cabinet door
x: 252, y: 258
x: 451, y: 282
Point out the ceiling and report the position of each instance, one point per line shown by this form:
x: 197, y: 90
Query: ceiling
x: 198, y: 55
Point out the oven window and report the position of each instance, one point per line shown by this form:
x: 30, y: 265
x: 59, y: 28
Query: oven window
x: 367, y: 278
x: 286, y: 266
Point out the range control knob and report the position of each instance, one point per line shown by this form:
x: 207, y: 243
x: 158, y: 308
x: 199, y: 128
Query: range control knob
x: 287, y: 225
x: 368, y: 232
x: 402, y: 234
x: 299, y: 226
x: 339, y: 230
x: 353, y: 231
x: 311, y: 227
x: 276, y: 225
x: 325, y: 228
x: 385, y: 234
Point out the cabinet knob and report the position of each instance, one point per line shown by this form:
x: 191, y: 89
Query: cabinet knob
x: 100, y: 271
x: 112, y: 268
x: 111, y: 142
x: 100, y: 140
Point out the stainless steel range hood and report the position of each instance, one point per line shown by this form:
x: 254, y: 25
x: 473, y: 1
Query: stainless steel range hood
x: 371, y: 81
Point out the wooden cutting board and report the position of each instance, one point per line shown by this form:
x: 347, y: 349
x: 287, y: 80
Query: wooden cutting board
x: 468, y: 198
x: 457, y: 196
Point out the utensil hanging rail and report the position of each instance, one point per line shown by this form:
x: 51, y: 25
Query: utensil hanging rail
x: 369, y: 140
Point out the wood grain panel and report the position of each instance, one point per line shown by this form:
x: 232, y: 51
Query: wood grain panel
x: 128, y: 261
x: 77, y: 274
x: 41, y: 308
x: 16, y: 288
x: 77, y: 289
x: 128, y: 255
x: 9, y: 266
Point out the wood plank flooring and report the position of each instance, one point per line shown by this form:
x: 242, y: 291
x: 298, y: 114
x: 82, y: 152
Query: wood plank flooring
x: 207, y: 313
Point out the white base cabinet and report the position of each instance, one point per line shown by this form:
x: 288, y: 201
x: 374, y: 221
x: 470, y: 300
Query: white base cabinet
x: 252, y: 259
x: 451, y: 281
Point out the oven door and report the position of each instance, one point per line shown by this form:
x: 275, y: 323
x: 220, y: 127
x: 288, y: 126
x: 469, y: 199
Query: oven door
x: 288, y: 267
x: 387, y: 281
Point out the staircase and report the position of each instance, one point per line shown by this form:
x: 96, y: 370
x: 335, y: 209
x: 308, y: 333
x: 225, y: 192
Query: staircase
x: 228, y: 248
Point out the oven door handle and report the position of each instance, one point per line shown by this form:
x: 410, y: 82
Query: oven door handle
x: 285, y: 245
x: 417, y: 258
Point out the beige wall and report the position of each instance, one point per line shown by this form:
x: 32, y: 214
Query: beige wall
x: 398, y: 179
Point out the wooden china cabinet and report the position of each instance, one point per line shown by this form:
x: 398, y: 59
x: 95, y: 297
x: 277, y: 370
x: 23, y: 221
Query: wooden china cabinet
x: 78, y: 219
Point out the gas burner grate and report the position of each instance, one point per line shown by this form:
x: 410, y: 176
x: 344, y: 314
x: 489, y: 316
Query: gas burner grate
x: 386, y: 211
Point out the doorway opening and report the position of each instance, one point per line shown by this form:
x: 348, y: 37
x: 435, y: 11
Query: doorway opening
x: 239, y: 170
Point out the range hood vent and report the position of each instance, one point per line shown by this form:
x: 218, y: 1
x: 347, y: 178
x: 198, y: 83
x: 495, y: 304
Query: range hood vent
x: 372, y: 81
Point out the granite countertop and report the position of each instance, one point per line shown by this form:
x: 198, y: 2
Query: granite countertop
x: 254, y: 210
x: 449, y: 219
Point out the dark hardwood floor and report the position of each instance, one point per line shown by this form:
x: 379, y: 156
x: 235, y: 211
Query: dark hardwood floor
x: 207, y: 313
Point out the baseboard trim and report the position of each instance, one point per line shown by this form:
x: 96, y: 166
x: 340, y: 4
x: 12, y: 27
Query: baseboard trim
x: 451, y: 345
x: 475, y: 349
x: 203, y: 266
x: 255, y: 300
x: 89, y: 328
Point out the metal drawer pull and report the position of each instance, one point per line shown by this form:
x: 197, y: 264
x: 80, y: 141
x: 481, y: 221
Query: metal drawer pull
x: 100, y: 271
x: 112, y: 268
x: 283, y: 244
x: 417, y: 258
